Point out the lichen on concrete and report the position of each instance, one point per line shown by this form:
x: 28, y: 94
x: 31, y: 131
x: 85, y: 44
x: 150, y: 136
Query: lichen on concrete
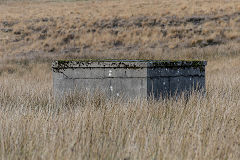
x: 118, y: 63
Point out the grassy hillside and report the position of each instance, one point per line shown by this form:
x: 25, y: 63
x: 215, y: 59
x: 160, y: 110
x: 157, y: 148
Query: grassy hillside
x: 114, y: 28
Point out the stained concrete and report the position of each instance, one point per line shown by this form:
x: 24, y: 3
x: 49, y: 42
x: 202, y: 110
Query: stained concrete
x: 129, y: 78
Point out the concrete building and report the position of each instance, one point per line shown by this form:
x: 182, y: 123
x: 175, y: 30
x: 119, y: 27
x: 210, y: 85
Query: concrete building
x: 130, y: 78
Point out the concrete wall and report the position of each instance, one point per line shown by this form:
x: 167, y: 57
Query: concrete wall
x: 130, y: 78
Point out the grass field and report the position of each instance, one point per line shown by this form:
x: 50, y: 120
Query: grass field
x: 123, y: 27
x: 32, y: 34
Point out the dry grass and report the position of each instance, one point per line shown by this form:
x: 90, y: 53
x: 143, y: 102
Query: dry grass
x: 124, y: 26
x: 32, y: 126
x: 91, y: 127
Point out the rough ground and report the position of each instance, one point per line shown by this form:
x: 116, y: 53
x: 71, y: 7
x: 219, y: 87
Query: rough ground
x: 110, y: 28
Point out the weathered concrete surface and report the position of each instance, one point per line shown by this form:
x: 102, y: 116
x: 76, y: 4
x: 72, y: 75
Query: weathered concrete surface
x: 130, y: 78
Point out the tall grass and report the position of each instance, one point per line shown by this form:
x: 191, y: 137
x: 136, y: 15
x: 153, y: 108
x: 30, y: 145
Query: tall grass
x: 89, y: 126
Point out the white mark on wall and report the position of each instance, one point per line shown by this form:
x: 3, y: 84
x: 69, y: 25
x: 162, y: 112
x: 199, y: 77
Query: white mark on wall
x: 164, y: 83
x: 111, y: 88
x: 110, y: 73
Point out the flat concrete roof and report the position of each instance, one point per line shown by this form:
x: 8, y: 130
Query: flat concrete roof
x: 124, y: 63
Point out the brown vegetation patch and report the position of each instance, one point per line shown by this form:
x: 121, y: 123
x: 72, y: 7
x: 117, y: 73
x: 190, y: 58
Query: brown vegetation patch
x: 59, y: 27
